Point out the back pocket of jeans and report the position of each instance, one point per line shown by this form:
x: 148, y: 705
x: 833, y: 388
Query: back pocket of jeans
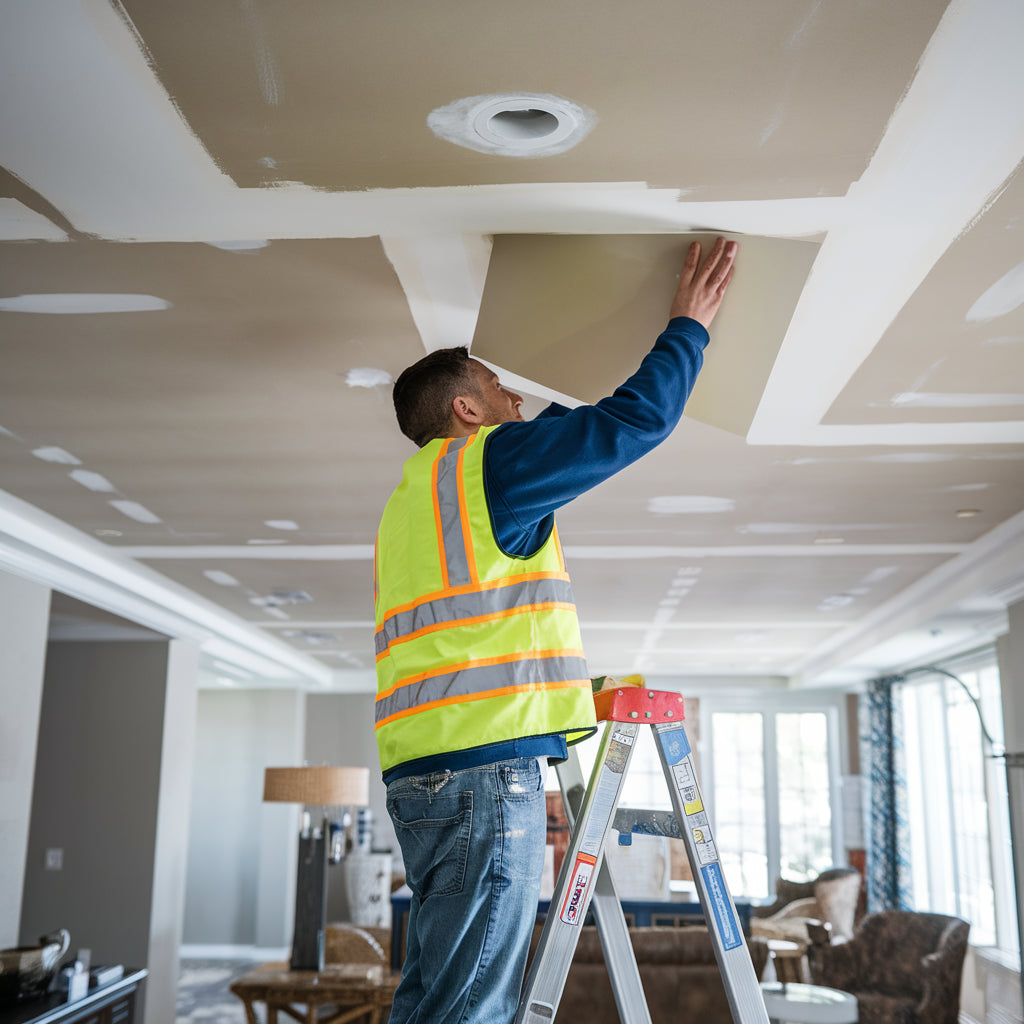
x: 435, y: 848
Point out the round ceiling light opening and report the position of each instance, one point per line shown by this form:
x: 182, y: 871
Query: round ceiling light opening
x: 517, y: 125
x: 524, y: 122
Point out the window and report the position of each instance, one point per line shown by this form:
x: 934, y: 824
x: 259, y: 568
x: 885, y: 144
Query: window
x: 773, y: 781
x: 957, y: 801
x: 737, y: 741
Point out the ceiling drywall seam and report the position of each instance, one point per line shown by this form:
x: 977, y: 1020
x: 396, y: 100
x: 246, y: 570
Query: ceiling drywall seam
x: 997, y: 558
x: 35, y: 544
x: 956, y: 137
x: 443, y: 280
x: 110, y: 124
x: 19, y: 223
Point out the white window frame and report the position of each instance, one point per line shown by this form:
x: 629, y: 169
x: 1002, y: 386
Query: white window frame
x: 769, y: 703
x: 1001, y: 868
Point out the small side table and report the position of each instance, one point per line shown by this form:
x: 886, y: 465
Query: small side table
x: 788, y: 958
x: 355, y: 992
x: 808, y: 1004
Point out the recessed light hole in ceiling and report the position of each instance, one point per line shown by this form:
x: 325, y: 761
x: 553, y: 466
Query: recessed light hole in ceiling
x: 518, y: 124
x: 521, y: 125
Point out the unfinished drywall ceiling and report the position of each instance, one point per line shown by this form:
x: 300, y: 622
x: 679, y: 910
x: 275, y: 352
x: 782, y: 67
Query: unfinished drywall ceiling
x: 956, y: 350
x: 730, y: 100
x: 226, y: 439
x: 576, y: 313
x: 255, y: 385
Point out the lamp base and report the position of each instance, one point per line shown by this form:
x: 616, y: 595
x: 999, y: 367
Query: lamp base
x: 310, y: 903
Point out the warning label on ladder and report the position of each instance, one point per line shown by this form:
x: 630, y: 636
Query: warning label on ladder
x: 582, y: 873
x: 721, y: 906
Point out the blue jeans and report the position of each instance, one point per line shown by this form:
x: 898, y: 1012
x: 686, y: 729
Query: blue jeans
x: 473, y: 846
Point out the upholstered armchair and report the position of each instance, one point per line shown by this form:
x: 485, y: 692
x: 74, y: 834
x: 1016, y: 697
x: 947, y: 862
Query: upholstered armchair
x: 830, y: 899
x: 903, y: 967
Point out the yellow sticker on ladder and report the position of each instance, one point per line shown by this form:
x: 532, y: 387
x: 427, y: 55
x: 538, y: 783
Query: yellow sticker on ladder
x: 691, y: 800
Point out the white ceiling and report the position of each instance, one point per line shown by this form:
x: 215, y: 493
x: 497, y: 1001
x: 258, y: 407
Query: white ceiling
x: 210, y: 462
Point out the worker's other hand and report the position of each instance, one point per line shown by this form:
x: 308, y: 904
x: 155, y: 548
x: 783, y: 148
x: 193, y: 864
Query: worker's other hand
x: 702, y: 285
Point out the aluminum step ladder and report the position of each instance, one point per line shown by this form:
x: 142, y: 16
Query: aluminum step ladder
x: 585, y: 880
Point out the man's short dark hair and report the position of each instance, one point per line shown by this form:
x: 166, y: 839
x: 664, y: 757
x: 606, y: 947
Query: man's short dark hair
x: 424, y: 392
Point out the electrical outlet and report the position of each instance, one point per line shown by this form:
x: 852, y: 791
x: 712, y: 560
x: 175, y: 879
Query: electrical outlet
x: 54, y: 859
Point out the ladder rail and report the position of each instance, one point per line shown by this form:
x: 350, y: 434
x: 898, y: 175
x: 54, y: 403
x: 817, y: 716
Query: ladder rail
x: 577, y: 883
x: 612, y: 928
x: 742, y: 988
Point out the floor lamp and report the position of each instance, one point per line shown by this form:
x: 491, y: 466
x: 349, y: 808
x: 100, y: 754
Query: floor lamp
x: 322, y: 787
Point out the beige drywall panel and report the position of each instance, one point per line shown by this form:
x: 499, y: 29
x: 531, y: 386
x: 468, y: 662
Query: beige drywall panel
x: 955, y: 352
x: 577, y: 313
x: 226, y: 410
x: 730, y: 99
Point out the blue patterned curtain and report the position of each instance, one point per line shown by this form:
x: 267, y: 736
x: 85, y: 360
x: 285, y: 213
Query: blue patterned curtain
x: 882, y: 757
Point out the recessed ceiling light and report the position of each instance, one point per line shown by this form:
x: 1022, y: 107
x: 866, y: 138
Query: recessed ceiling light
x: 218, y: 576
x: 133, y: 510
x: 967, y: 513
x: 58, y: 455
x: 829, y: 540
x: 281, y: 524
x: 82, y: 302
x: 525, y: 124
x: 109, y: 533
x: 92, y: 481
x: 242, y: 245
x: 367, y: 377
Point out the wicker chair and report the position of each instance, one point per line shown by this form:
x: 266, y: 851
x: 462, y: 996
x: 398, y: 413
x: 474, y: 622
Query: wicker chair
x: 903, y: 967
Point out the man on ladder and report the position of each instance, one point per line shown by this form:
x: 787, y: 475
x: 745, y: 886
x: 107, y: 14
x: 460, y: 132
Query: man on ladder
x: 480, y: 672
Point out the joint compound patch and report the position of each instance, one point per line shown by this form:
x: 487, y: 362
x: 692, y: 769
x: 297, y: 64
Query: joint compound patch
x: 674, y: 744
x: 721, y: 906
x: 575, y: 898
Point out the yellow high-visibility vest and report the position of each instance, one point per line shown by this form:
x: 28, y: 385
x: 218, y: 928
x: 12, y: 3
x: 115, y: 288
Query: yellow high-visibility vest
x: 474, y: 646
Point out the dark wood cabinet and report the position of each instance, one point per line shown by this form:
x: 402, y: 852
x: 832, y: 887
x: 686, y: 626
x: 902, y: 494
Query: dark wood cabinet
x: 111, y: 1004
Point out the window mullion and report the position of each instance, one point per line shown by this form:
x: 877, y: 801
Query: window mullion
x: 773, y: 812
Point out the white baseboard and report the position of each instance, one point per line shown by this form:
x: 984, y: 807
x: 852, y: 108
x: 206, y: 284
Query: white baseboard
x: 223, y: 952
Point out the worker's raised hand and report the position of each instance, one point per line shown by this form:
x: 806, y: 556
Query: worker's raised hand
x: 702, y: 285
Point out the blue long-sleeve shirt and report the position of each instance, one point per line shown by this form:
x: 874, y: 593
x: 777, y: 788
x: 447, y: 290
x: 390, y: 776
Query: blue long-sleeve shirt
x: 533, y: 468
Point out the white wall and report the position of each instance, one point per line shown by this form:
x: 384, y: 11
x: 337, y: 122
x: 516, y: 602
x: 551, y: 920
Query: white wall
x: 24, y: 618
x: 241, y: 852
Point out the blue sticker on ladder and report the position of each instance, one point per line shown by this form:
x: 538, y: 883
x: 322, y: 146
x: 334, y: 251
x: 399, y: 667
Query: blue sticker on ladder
x: 721, y: 906
x: 674, y: 743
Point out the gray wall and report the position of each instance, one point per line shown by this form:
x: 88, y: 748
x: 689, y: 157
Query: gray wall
x: 339, y: 730
x: 97, y: 777
x: 241, y: 852
x: 24, y: 618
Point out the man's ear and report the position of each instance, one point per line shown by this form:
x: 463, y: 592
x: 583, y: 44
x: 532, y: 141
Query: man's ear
x: 468, y: 410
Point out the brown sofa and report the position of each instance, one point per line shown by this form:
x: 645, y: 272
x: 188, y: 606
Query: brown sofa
x: 677, y: 967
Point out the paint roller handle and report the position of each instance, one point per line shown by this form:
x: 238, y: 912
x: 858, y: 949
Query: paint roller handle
x: 702, y: 285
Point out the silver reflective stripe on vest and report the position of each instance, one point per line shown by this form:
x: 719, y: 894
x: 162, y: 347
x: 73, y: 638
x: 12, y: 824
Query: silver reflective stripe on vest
x: 452, y: 610
x: 481, y: 679
x: 451, y: 521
